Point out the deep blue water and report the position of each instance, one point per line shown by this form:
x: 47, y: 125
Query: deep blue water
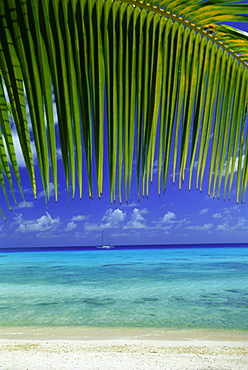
x: 187, y: 287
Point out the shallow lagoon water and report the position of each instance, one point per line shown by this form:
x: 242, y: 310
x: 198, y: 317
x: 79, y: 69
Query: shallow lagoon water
x: 188, y: 288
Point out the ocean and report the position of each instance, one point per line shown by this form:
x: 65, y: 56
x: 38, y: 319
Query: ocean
x: 169, y: 287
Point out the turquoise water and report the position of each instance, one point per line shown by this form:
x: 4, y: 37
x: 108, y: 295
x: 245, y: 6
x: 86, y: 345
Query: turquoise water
x: 190, y: 288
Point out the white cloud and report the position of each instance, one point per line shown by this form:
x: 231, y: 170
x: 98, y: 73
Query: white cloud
x: 135, y: 225
x: 168, y: 217
x: 222, y: 227
x: 44, y: 223
x: 239, y: 226
x: 55, y: 114
x: 241, y: 222
x: 168, y: 227
x: 205, y: 227
x: 203, y: 211
x: 40, y: 194
x: 92, y: 226
x: 111, y: 219
x: 18, y: 151
x: 114, y: 216
x: 137, y: 215
x: 48, y: 234
x: 70, y: 226
x: 235, y: 164
x: 132, y: 204
x: 137, y: 220
x: 80, y: 235
x: 24, y: 205
x: 79, y: 218
x: 168, y: 222
x: 217, y: 215
x: 59, y: 153
x: 2, y: 234
x: 233, y: 209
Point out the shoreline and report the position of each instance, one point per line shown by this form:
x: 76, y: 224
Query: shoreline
x: 121, y: 349
x: 85, y: 333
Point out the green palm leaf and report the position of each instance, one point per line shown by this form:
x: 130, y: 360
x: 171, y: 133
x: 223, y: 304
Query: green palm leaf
x: 133, y: 81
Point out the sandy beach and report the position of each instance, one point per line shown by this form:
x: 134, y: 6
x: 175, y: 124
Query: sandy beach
x: 128, y: 349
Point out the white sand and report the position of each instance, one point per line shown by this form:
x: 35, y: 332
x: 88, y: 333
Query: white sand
x: 220, y: 351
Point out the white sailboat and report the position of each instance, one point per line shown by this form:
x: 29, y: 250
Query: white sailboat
x: 105, y: 246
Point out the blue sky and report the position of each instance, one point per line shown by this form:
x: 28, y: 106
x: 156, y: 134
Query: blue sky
x: 177, y: 216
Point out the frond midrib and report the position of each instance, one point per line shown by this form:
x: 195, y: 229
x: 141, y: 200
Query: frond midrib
x: 174, y: 17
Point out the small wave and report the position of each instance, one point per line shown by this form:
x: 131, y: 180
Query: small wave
x: 99, y: 302
x: 146, y: 299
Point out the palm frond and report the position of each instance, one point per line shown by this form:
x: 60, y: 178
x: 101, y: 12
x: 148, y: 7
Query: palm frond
x: 157, y: 80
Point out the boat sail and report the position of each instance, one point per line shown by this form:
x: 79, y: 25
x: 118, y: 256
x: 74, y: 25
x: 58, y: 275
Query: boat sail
x: 105, y: 246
